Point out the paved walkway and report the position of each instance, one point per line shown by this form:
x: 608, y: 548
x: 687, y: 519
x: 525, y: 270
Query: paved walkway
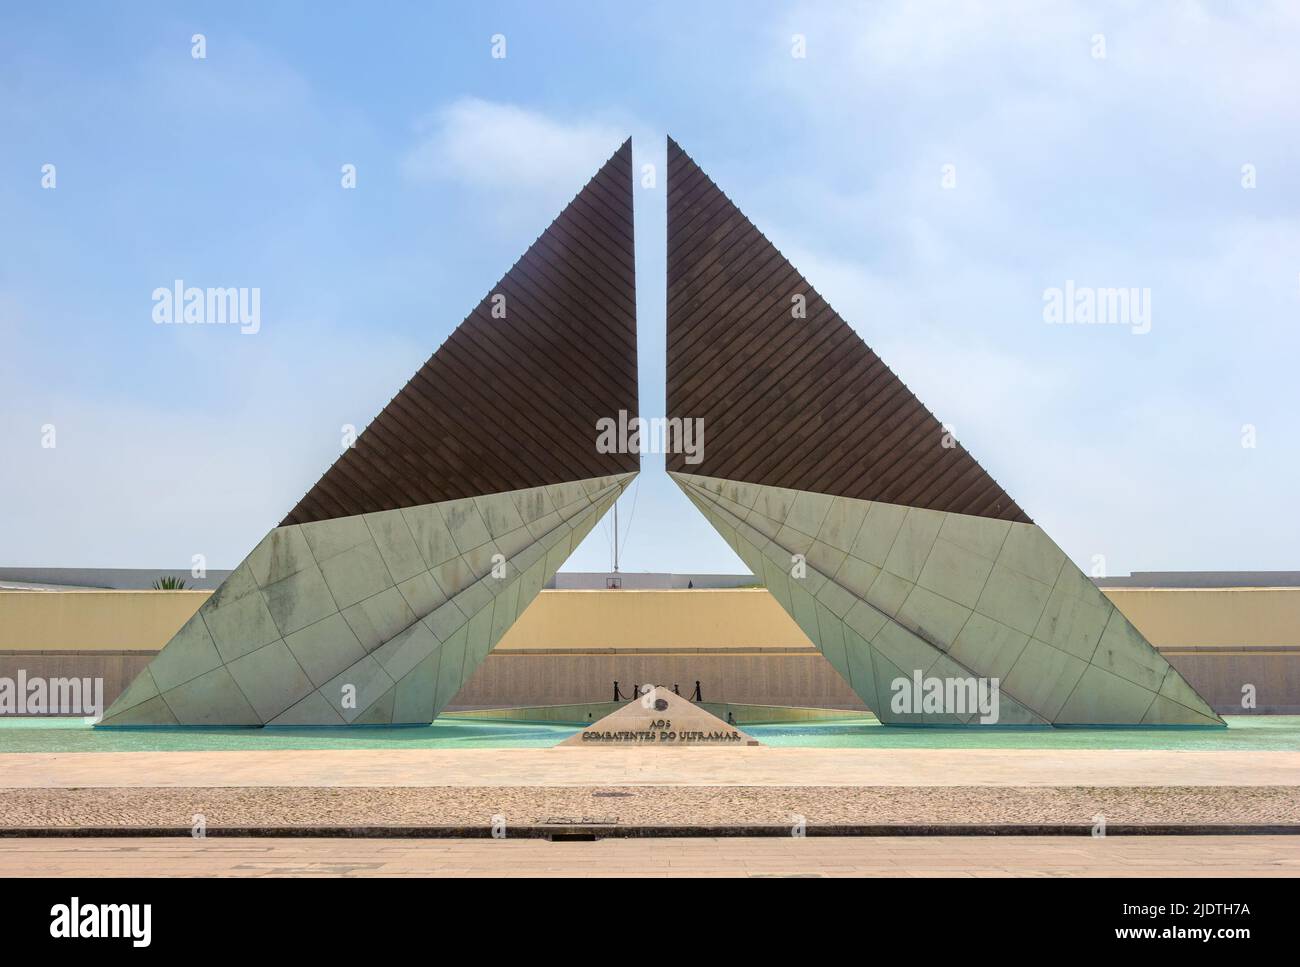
x: 1136, y: 856
x: 560, y: 767
x: 474, y: 807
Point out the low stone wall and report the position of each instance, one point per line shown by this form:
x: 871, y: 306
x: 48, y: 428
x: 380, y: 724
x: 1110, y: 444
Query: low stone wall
x: 776, y: 677
x: 116, y: 667
x: 783, y: 678
x: 808, y: 680
x: 1222, y: 675
x: 595, y: 711
x: 564, y: 714
x: 570, y: 646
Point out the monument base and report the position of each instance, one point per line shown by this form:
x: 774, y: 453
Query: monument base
x: 660, y: 718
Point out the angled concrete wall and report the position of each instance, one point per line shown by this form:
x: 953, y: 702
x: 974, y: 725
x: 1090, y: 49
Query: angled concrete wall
x: 373, y: 619
x: 897, y: 553
x: 393, y: 576
x: 888, y: 593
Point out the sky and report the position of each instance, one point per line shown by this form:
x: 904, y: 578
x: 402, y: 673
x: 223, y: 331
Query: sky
x: 934, y: 169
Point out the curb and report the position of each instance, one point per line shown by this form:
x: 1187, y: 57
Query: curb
x: 588, y: 832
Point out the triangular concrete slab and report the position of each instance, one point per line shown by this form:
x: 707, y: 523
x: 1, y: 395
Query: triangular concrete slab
x: 364, y: 631
x: 892, y: 592
x: 437, y: 527
x: 884, y: 539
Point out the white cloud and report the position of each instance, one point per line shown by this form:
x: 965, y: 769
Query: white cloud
x: 521, y: 165
x: 503, y: 147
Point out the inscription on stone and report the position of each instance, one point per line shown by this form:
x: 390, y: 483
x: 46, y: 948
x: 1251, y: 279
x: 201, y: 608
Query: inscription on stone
x: 688, y: 725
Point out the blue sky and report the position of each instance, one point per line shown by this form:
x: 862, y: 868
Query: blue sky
x: 1122, y: 171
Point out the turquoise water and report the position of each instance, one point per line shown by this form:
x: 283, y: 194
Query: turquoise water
x: 1252, y: 733
x: 1263, y: 733
x: 71, y: 735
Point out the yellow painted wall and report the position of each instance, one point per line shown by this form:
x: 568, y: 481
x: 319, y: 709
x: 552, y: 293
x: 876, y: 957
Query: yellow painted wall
x: 716, y: 620
x: 1212, y: 616
x: 93, y: 620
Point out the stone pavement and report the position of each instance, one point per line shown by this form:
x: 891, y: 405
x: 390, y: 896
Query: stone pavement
x: 1128, y: 856
x: 460, y: 809
x: 462, y: 790
x: 557, y: 767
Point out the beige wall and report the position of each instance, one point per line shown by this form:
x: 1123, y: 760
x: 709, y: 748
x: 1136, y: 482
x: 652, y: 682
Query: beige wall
x: 716, y: 620
x: 93, y: 620
x: 1204, y: 617
x: 570, y: 645
x: 787, y: 677
x: 719, y: 620
x: 584, y: 620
